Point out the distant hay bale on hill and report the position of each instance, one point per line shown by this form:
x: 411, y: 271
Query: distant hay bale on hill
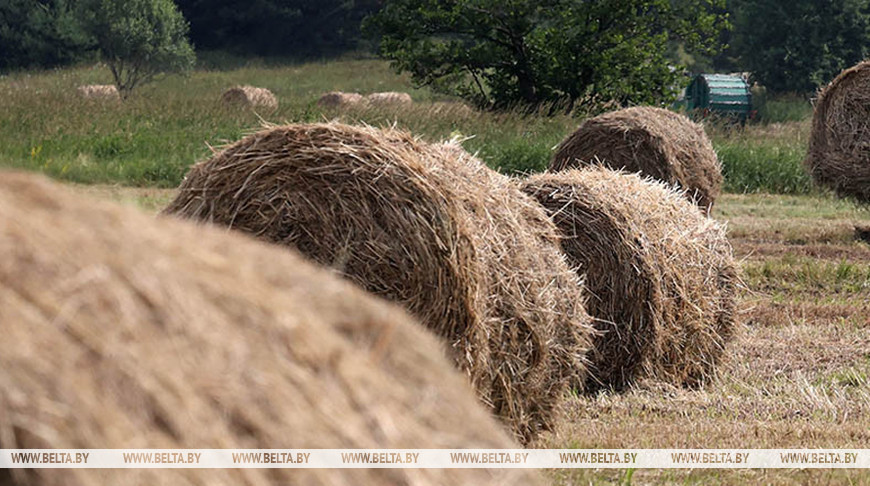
x: 839, y: 153
x: 659, y: 143
x: 123, y: 331
x: 99, y: 92
x: 660, y: 276
x: 338, y: 99
x: 428, y: 226
x: 389, y: 98
x: 250, y: 97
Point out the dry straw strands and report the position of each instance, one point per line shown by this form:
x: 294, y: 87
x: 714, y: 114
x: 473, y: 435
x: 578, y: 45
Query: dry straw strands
x: 660, y: 276
x: 122, y: 331
x: 337, y: 99
x: 99, y: 92
x: 389, y: 98
x: 428, y: 226
x: 250, y: 97
x: 839, y: 151
x: 656, y: 142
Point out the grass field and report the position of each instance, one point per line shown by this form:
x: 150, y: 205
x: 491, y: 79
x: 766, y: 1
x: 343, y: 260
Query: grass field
x: 798, y: 375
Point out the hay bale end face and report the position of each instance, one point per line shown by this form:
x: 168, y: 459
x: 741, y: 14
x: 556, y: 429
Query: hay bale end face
x: 250, y: 97
x: 839, y: 153
x: 660, y: 276
x: 99, y: 92
x: 656, y: 142
x: 425, y: 225
x: 389, y: 98
x: 338, y: 99
x: 122, y: 331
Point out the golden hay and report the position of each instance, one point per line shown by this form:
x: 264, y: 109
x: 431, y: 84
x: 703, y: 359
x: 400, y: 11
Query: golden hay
x: 122, y: 331
x: 337, y: 99
x: 839, y: 151
x: 660, y: 276
x: 250, y: 97
x: 389, y: 98
x: 428, y: 226
x: 99, y: 92
x: 659, y: 143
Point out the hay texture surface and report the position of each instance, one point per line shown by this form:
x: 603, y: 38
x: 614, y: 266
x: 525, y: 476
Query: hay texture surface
x: 99, y: 92
x: 338, y: 99
x: 656, y: 142
x: 839, y: 151
x: 660, y: 276
x: 250, y: 97
x: 122, y: 331
x: 389, y: 98
x: 425, y: 225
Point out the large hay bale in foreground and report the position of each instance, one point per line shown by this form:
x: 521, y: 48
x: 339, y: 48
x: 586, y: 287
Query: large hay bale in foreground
x: 660, y: 276
x: 99, y: 92
x: 338, y: 99
x: 839, y: 153
x: 250, y: 97
x: 428, y: 226
x: 389, y: 98
x: 656, y: 142
x: 122, y: 331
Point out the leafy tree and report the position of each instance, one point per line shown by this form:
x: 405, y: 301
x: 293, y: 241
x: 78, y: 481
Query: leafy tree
x: 140, y: 39
x: 502, y: 52
x: 798, y: 45
x: 41, y: 33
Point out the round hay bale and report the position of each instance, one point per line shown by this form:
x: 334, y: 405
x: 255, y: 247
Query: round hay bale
x: 660, y: 276
x: 839, y: 153
x: 337, y: 99
x: 250, y: 97
x: 389, y: 98
x: 99, y: 92
x: 428, y: 226
x: 124, y: 331
x: 656, y: 142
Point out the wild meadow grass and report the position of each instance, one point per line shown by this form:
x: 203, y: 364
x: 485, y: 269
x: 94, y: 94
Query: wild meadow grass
x: 154, y: 137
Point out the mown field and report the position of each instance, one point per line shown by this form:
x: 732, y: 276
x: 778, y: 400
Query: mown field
x: 797, y: 376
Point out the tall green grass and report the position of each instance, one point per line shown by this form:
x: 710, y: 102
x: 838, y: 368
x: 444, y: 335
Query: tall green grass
x: 153, y: 138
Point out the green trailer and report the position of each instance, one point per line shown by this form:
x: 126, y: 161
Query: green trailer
x: 724, y: 95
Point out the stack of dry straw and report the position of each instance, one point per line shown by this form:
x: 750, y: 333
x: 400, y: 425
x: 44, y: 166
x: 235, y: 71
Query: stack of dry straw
x: 120, y: 331
x: 425, y: 225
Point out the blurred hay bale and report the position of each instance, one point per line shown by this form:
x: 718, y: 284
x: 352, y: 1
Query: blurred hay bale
x: 839, y: 153
x: 428, y: 226
x: 389, y: 98
x: 656, y: 142
x: 250, y: 97
x: 660, y: 276
x: 99, y: 92
x: 122, y: 331
x: 338, y: 99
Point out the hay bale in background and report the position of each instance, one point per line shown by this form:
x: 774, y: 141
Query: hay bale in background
x: 389, y: 98
x: 337, y: 99
x: 428, y: 226
x: 250, y: 97
x: 99, y: 92
x: 839, y: 153
x: 658, y: 143
x: 122, y: 331
x: 660, y: 276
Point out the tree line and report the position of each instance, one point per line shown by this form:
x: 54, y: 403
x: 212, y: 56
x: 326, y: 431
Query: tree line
x: 495, y: 53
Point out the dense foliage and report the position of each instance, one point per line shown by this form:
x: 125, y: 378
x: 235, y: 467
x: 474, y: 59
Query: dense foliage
x: 288, y: 28
x: 40, y: 33
x: 799, y: 45
x: 500, y: 53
